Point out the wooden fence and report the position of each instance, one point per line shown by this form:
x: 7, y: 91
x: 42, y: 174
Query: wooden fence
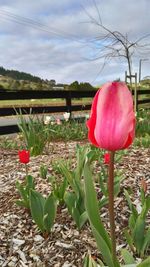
x: 68, y: 107
x: 68, y: 96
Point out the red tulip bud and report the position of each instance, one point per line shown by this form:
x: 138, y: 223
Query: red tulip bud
x: 24, y: 156
x: 106, y: 158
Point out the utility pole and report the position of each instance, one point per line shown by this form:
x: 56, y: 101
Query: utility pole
x: 140, y: 66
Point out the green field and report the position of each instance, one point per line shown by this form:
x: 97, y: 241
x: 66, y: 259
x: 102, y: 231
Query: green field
x: 42, y: 102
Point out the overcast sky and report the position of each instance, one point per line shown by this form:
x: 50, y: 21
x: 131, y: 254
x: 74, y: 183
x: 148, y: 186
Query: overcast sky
x: 53, y: 39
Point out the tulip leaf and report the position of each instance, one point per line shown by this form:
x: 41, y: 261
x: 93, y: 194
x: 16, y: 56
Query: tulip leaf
x: 30, y: 183
x: 145, y: 263
x: 127, y: 256
x: 22, y: 191
x: 131, y: 206
x: 145, y: 208
x: 132, y: 222
x: 146, y: 243
x: 92, y: 207
x: 129, y: 239
x: 102, y: 186
x: 103, y: 202
x: 50, y: 207
x: 89, y: 262
x: 138, y: 234
x: 21, y: 203
x: 103, y: 248
x: 83, y: 218
x: 68, y: 175
x: 70, y: 200
x: 81, y: 153
x: 37, y: 202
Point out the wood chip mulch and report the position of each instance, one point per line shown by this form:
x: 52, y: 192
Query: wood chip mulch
x: 22, y: 244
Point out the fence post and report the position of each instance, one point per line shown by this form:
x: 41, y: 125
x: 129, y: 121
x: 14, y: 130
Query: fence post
x: 68, y: 103
x: 135, y: 89
x: 135, y: 95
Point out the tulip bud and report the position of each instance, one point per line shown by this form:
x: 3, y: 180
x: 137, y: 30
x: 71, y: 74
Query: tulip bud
x: 112, y: 122
x: 24, y: 156
x: 106, y: 158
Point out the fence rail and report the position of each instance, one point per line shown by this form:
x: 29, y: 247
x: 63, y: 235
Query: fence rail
x: 144, y: 100
x: 68, y: 107
x: 24, y: 109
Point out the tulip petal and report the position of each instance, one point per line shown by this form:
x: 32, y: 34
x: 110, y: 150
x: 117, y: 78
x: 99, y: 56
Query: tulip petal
x: 114, y: 117
x: 92, y: 121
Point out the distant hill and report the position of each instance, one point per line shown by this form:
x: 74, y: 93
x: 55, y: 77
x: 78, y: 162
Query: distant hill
x: 146, y: 81
x: 17, y: 75
x: 16, y: 80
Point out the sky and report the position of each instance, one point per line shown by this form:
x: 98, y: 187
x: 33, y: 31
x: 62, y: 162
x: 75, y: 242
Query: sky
x: 60, y: 39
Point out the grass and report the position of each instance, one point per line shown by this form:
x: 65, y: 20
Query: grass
x: 42, y: 102
x: 37, y: 136
x: 143, y: 128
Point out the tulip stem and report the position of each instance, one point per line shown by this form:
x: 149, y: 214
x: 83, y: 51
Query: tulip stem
x: 111, y: 204
x: 26, y: 168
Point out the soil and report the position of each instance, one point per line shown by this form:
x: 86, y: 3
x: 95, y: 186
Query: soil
x: 22, y: 244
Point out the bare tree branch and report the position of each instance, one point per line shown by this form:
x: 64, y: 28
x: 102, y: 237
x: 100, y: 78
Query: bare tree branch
x: 113, y: 44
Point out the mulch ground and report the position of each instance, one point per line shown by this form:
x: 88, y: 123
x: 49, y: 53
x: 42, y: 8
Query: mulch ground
x: 22, y: 244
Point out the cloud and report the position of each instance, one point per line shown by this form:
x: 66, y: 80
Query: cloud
x: 53, y: 39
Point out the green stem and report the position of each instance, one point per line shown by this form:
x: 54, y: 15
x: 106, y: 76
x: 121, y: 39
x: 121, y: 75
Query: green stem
x: 26, y: 168
x: 111, y: 204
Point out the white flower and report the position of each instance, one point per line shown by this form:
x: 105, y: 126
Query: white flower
x: 87, y: 116
x: 141, y: 119
x: 47, y: 119
x: 66, y: 116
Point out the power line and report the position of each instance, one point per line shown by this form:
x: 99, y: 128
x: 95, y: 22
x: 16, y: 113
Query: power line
x: 37, y: 25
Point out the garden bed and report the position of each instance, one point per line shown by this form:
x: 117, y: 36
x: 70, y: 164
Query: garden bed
x: 21, y: 242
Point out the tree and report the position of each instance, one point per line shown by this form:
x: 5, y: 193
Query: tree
x: 113, y: 43
x: 86, y: 87
x: 74, y: 86
x: 2, y: 88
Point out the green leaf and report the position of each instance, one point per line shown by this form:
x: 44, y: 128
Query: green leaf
x: 103, y: 202
x: 62, y: 189
x: 116, y: 188
x: 142, y: 196
x: 73, y: 207
x: 37, y: 202
x: 146, y: 243
x: 68, y: 175
x: 81, y: 155
x: 70, y: 200
x: 103, y: 248
x: 92, y: 207
x: 89, y: 262
x: 127, y: 256
x: 30, y: 183
x: 50, y: 208
x: 129, y: 239
x: 83, y: 218
x: 21, y: 203
x: 145, y: 263
x: 138, y: 234
x: 131, y: 206
x: 103, y: 186
x: 145, y: 208
x: 23, y: 193
x: 132, y: 223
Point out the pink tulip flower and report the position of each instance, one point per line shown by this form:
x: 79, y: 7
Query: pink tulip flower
x: 112, y: 122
